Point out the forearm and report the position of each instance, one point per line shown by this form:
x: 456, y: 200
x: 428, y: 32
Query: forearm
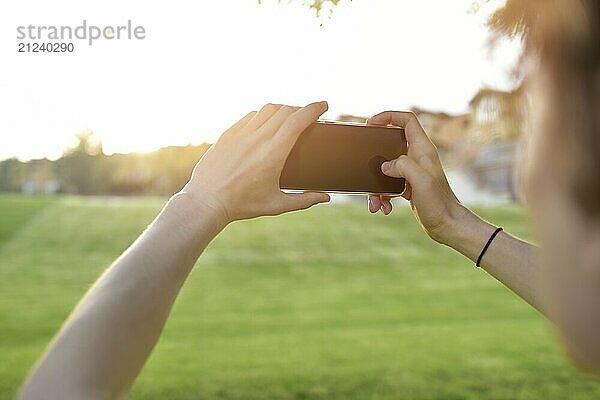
x: 510, y: 260
x: 105, y: 342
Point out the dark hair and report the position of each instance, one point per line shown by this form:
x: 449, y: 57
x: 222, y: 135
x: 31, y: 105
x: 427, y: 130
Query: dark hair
x: 563, y: 36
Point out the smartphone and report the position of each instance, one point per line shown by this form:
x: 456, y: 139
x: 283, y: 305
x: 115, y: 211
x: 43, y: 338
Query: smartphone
x: 344, y: 158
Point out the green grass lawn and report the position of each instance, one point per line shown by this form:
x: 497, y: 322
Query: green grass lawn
x: 331, y: 303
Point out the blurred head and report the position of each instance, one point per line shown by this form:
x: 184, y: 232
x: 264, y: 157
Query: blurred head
x: 562, y: 37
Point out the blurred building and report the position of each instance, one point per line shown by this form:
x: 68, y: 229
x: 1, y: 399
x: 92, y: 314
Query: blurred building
x: 37, y: 177
x: 491, y: 152
x: 498, y: 114
x: 445, y: 130
x: 483, y: 146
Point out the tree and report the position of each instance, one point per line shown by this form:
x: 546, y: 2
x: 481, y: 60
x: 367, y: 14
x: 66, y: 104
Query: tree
x: 87, y: 143
x: 11, y: 173
x: 318, y: 5
x: 80, y: 168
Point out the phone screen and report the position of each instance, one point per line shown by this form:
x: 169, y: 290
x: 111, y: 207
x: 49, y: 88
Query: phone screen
x: 336, y: 157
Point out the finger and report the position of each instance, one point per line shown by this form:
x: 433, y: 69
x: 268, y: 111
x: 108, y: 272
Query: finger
x: 415, y: 134
x: 374, y: 203
x: 302, y: 201
x: 386, y: 205
x: 263, y: 115
x: 241, y: 123
x: 296, y: 123
x: 274, y: 123
x: 403, y: 119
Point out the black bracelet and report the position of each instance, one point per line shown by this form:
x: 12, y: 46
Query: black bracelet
x: 486, y: 247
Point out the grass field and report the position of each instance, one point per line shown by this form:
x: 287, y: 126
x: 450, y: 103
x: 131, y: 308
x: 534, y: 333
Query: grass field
x: 332, y: 303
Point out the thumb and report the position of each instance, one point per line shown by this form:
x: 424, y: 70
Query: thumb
x: 302, y: 201
x: 406, y: 167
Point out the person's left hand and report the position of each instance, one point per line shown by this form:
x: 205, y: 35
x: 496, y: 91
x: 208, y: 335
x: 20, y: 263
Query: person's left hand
x: 431, y: 198
x: 238, y: 177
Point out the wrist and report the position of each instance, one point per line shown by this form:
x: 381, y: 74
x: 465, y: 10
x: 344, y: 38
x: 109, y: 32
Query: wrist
x: 196, y: 214
x: 468, y: 233
x: 447, y: 233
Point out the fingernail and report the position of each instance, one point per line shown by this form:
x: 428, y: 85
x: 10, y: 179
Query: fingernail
x: 386, y: 166
x: 324, y: 105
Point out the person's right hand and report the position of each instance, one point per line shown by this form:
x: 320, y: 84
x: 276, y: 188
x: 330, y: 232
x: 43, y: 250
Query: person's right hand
x: 432, y: 200
x: 238, y: 177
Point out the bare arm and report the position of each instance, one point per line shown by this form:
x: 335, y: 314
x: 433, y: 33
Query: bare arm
x: 108, y: 337
x: 510, y: 260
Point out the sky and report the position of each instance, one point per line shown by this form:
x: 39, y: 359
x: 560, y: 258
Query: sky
x: 204, y: 64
